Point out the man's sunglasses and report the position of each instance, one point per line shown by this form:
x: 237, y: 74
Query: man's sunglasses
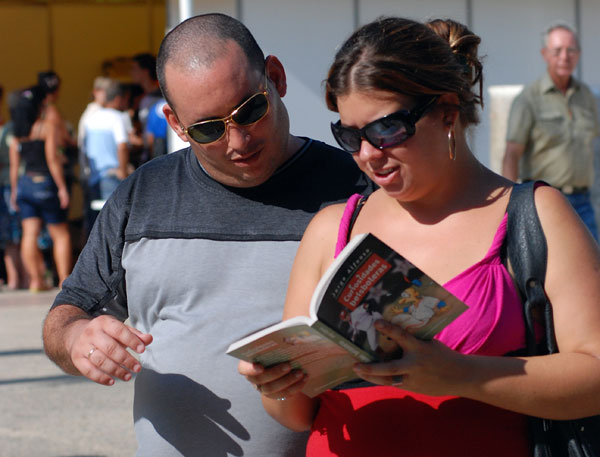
x: 252, y: 110
x: 390, y: 130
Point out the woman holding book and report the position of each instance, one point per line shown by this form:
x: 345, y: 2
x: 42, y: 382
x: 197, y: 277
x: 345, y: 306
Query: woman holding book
x: 404, y: 93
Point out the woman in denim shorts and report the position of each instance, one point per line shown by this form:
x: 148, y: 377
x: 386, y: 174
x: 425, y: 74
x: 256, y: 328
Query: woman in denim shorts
x: 40, y: 194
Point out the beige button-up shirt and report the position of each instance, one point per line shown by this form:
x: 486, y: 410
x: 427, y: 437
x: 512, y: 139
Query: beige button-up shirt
x: 558, y: 132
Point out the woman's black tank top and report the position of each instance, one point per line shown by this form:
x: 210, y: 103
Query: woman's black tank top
x: 33, y: 155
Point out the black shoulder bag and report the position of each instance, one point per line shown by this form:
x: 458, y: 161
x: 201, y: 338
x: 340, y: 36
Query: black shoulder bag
x: 526, y: 250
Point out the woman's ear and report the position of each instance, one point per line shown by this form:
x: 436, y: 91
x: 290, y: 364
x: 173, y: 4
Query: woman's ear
x: 276, y: 73
x: 450, y: 106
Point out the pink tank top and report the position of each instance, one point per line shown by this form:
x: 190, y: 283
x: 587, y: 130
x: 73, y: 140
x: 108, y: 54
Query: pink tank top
x: 493, y: 324
x: 387, y: 421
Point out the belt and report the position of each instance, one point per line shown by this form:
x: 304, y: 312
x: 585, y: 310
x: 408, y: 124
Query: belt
x: 37, y: 177
x: 570, y: 190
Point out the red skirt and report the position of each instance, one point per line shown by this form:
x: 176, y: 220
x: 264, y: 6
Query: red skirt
x: 386, y: 421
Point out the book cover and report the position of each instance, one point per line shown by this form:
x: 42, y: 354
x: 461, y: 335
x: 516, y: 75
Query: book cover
x: 375, y: 282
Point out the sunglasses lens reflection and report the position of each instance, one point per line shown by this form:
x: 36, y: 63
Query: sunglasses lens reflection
x: 207, y: 132
x: 252, y: 111
x: 348, y: 139
x: 387, y: 132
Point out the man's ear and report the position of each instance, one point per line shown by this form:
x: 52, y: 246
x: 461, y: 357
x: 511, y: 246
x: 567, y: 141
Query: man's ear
x: 276, y: 73
x: 173, y: 121
x: 545, y: 54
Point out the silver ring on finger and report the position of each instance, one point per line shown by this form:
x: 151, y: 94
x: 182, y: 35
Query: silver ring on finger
x: 281, y: 399
x: 90, y: 352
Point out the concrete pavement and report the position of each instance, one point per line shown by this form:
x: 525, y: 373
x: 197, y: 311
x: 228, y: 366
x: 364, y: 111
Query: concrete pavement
x: 45, y: 413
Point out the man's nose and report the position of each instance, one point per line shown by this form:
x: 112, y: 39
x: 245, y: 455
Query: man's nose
x: 237, y: 136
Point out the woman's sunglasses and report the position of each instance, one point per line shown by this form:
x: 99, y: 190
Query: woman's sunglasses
x: 252, y: 110
x: 390, y: 130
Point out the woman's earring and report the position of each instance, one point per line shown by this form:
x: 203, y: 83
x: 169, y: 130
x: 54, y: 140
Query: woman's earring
x: 451, y: 144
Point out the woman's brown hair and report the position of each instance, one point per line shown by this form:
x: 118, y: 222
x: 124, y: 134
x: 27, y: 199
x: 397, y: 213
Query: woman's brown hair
x: 410, y: 58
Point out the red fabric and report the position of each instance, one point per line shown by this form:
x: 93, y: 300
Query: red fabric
x: 385, y: 421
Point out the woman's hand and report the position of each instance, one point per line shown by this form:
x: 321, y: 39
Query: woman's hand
x: 277, y: 382
x: 63, y: 197
x: 13, y: 200
x: 427, y: 367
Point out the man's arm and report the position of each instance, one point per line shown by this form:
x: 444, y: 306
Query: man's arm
x: 79, y: 343
x: 14, y: 165
x: 520, y: 122
x: 123, y: 156
x: 95, y: 347
x: 510, y: 162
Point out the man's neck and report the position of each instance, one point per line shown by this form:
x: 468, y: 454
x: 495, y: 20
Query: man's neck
x: 562, y: 84
x: 110, y: 105
x: 294, y: 145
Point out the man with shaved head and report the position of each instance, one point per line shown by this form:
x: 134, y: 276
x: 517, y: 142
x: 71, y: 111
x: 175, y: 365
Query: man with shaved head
x: 196, y: 247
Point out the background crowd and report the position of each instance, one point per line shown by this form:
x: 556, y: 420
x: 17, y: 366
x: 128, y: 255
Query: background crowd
x: 55, y: 176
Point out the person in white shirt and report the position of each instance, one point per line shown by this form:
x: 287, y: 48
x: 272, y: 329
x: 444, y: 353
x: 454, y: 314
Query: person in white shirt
x: 105, y: 146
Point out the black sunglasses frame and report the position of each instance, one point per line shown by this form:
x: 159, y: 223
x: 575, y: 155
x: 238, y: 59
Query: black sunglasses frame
x: 408, y: 117
x: 225, y: 120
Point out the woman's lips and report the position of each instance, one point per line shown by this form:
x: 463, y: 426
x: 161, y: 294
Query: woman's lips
x: 384, y: 176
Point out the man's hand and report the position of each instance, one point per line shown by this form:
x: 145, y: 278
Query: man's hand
x: 93, y: 347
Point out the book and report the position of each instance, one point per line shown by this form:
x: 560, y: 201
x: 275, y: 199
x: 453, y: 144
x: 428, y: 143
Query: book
x: 366, y: 282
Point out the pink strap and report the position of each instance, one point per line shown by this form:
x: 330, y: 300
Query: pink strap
x: 345, y: 223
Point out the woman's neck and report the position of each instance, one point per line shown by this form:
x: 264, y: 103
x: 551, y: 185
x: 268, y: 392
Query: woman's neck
x: 466, y: 185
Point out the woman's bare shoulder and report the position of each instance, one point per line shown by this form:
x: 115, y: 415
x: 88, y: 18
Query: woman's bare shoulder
x: 323, y: 227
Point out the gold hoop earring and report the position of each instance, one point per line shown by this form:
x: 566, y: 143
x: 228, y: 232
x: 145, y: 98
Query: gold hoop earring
x: 451, y: 144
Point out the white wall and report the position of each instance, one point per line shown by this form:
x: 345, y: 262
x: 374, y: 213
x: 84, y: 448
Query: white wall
x: 304, y: 36
x: 590, y: 58
x: 413, y: 9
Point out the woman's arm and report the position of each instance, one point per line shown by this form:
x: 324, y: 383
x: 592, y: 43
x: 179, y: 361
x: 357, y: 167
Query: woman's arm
x: 314, y: 255
x: 54, y: 162
x: 558, y: 386
x: 14, y: 162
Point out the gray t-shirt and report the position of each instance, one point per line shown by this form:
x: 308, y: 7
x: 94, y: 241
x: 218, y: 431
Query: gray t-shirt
x: 199, y: 265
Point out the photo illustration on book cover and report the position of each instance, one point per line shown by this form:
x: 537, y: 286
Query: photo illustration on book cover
x: 380, y: 284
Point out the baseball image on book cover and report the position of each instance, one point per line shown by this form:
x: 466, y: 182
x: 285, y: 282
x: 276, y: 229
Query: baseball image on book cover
x: 366, y: 282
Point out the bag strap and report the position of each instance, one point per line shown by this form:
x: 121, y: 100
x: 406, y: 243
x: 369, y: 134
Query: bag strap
x: 527, y: 253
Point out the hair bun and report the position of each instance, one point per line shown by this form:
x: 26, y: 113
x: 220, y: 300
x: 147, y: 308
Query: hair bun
x: 464, y: 45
